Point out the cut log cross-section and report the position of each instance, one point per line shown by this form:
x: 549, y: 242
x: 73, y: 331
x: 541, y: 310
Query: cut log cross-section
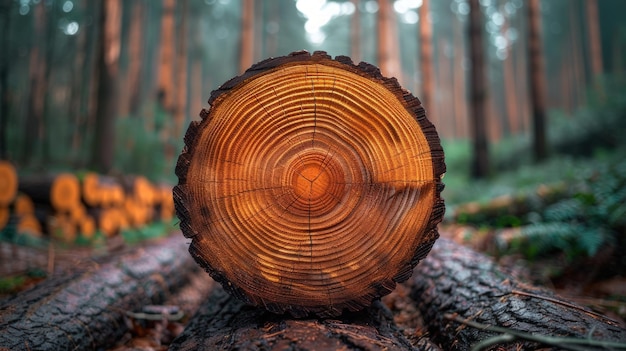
x: 8, y: 183
x: 311, y: 185
x: 61, y: 192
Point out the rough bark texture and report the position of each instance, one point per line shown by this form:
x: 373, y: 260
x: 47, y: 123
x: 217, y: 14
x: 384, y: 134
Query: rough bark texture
x: 85, y: 310
x: 225, y: 323
x: 459, y: 281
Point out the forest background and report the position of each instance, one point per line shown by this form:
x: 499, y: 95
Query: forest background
x: 111, y: 85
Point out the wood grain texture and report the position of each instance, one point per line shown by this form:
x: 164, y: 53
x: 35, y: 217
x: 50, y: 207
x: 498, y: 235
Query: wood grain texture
x: 310, y: 185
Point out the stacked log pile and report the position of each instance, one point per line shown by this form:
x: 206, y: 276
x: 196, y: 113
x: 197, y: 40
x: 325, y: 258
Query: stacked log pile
x: 65, y: 206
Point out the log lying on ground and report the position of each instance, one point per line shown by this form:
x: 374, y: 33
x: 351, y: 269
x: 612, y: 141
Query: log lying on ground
x: 456, y: 282
x: 311, y: 185
x: 85, y: 309
x: 225, y: 323
x: 61, y: 192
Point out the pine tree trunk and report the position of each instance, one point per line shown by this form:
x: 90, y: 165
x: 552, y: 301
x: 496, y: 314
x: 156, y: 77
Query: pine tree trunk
x: 247, y: 35
x: 106, y: 111
x: 426, y: 57
x: 181, y: 69
x: 537, y: 81
x: 166, y: 57
x: 355, y: 32
x: 480, y: 161
x: 388, y: 59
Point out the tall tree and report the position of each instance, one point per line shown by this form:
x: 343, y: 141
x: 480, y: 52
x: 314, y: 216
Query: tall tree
x: 458, y: 80
x: 246, y: 57
x: 595, y: 43
x: 478, y: 83
x: 181, y: 76
x: 388, y: 59
x: 135, y: 58
x: 106, y: 72
x: 34, y: 127
x: 508, y: 76
x: 4, y: 73
x: 165, y: 85
x: 426, y: 55
x: 537, y: 84
x: 355, y: 32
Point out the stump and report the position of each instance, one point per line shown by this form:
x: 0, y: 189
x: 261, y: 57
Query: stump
x: 311, y: 185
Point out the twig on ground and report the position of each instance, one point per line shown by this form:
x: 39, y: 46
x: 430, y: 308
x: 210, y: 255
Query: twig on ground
x: 509, y: 335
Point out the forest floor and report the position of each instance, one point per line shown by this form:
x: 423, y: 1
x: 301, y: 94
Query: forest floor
x: 605, y: 296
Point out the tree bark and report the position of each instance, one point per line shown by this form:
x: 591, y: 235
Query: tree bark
x: 355, y: 31
x: 34, y: 126
x: 246, y: 57
x: 165, y: 91
x: 595, y: 39
x: 5, y: 97
x: 537, y: 81
x: 388, y: 59
x: 86, y: 309
x: 225, y: 323
x: 426, y: 55
x: 106, y: 112
x: 456, y: 281
x: 480, y: 162
x: 181, y: 76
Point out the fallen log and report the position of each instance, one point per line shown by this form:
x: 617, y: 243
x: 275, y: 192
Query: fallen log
x: 225, y: 323
x: 455, y: 284
x: 311, y: 185
x: 86, y: 309
x: 61, y: 192
x: 449, y: 300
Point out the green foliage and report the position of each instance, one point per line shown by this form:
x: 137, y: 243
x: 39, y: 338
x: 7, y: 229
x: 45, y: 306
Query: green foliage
x: 590, y: 211
x: 12, y: 284
x: 586, y: 210
x: 142, y: 151
x: 151, y: 231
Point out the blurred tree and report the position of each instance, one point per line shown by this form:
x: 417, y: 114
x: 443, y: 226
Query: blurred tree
x: 426, y: 56
x: 181, y: 71
x: 246, y: 58
x: 388, y: 59
x: 355, y: 32
x: 165, y: 88
x: 4, y: 75
x: 595, y: 43
x: 537, y: 80
x: 106, y: 75
x: 478, y: 83
x: 130, y: 102
x: 34, y: 127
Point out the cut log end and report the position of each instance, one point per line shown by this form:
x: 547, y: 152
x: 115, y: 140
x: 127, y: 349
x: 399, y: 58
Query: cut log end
x: 8, y: 183
x: 311, y: 185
